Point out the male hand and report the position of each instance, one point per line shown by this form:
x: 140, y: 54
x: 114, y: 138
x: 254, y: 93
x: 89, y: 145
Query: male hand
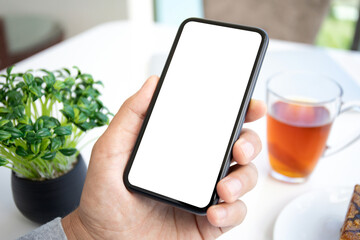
x: 109, y: 211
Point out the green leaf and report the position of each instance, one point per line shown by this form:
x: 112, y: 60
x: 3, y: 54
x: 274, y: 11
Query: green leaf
x: 100, y: 83
x: 68, y: 151
x: 4, y: 135
x: 30, y: 137
x: 62, y: 139
x: 59, y: 85
x: 3, y: 161
x: 19, y: 111
x: 15, y: 75
x: 69, y: 81
x: 64, y: 130
x: 68, y: 112
x: 8, y: 143
x: 44, y: 144
x: 21, y: 151
x: 3, y: 122
x: 9, y: 124
x: 15, y: 133
x: 49, y: 79
x: 9, y: 69
x: 35, y: 147
x: 43, y: 133
x: 28, y: 78
x: 76, y: 111
x: 83, y: 102
x: 24, y: 119
x: 102, y: 117
x: 81, y: 118
x: 78, y: 71
x: 44, y: 70
x: 67, y: 71
x: 87, y: 78
x: 38, y: 81
x: 100, y: 103
x: 58, y: 96
x: 24, y: 127
x: 93, y: 107
x: 4, y: 110
x: 56, y: 143
x: 36, y: 91
x: 48, y: 155
x: 51, y: 122
x: 2, y: 94
x: 14, y: 98
x: 86, y: 126
x: 39, y: 124
x: 20, y: 85
x: 85, y: 110
x: 91, y: 92
x: 44, y: 118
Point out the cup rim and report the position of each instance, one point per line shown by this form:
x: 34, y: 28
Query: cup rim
x: 324, y: 76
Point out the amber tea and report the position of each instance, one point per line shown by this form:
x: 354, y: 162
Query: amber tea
x: 301, y: 109
x: 296, y: 136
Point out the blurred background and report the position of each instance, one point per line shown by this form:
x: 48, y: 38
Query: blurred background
x: 27, y: 27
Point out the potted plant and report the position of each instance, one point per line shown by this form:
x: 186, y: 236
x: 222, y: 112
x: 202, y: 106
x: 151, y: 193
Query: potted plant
x: 43, y: 116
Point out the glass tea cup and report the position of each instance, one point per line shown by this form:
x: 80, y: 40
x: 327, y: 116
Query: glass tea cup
x: 301, y: 110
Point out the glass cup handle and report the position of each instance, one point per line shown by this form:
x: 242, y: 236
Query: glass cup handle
x: 355, y: 107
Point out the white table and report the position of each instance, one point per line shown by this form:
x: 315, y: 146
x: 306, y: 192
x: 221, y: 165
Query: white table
x: 123, y: 54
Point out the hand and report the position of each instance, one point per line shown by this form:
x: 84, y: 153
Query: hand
x: 109, y: 211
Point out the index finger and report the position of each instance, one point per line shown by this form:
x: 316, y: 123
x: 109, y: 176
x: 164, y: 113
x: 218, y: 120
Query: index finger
x: 256, y: 110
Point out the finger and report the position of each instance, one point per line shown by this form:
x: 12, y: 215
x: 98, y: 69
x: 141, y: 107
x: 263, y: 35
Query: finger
x: 239, y: 181
x: 121, y: 134
x: 256, y: 110
x: 227, y: 214
x: 247, y: 147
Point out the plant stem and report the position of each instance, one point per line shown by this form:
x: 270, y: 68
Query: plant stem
x: 44, y: 110
x: 17, y: 161
x: 35, y: 110
x: 17, y: 170
x: 45, y: 166
x: 28, y: 171
x: 50, y: 107
x: 28, y: 107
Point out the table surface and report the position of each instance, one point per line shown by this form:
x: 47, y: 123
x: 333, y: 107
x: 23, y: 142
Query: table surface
x: 124, y: 54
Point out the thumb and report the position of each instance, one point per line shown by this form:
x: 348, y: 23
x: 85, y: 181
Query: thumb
x: 121, y: 134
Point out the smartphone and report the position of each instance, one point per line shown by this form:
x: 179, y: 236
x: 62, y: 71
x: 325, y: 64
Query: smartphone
x: 184, y: 147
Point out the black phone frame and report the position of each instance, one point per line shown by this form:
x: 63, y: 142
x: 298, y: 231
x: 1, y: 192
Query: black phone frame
x: 236, y: 130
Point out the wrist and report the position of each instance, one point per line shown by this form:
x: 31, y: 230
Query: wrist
x: 73, y: 227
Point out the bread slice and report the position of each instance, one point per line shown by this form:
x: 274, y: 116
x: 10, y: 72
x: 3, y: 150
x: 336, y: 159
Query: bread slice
x: 351, y: 228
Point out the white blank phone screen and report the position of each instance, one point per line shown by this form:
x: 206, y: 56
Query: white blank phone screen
x: 184, y: 143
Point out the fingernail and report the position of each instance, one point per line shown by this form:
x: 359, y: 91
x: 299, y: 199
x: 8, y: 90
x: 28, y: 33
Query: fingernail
x: 247, y: 148
x: 233, y: 185
x: 220, y: 212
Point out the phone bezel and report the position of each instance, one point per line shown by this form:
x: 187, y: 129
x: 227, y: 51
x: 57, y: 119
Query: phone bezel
x: 236, y: 130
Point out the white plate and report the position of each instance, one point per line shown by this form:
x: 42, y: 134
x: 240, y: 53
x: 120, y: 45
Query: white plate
x: 314, y: 215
